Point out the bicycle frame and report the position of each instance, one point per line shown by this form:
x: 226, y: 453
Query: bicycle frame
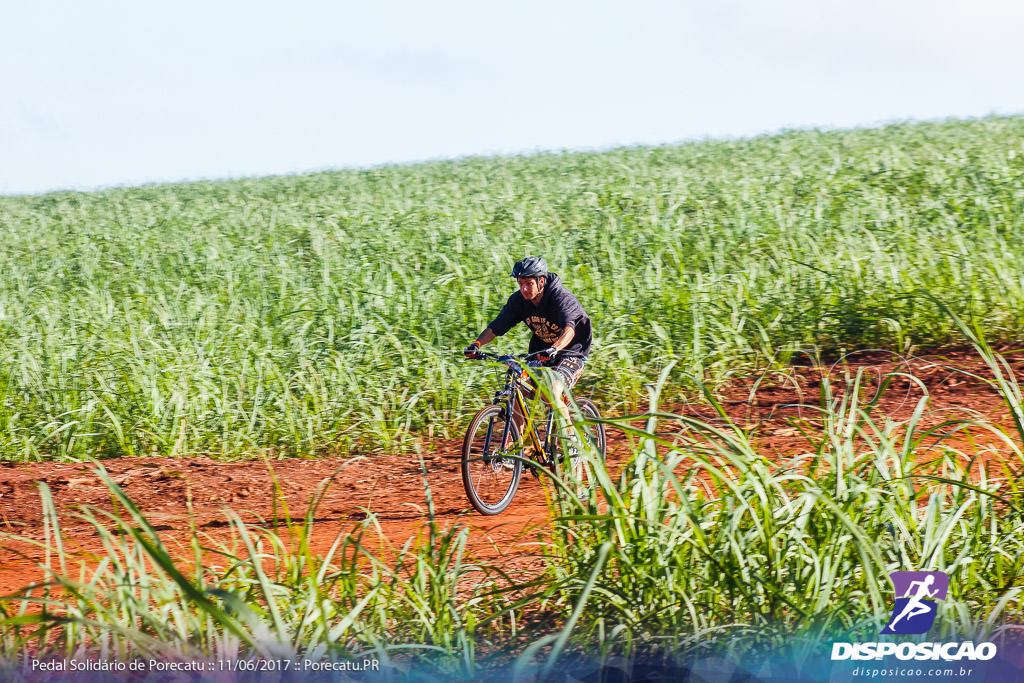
x: 511, y: 395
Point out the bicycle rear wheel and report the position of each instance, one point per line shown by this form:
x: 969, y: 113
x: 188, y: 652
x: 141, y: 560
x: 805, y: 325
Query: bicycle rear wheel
x: 594, y: 432
x: 595, y: 438
x: 490, y: 469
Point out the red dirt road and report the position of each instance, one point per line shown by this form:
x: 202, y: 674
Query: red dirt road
x: 393, y: 486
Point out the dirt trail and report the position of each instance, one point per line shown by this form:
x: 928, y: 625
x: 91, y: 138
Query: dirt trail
x: 392, y: 486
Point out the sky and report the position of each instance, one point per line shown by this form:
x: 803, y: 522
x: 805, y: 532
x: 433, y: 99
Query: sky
x: 99, y: 94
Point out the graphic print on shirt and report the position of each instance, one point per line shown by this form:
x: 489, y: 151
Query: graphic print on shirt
x: 544, y: 328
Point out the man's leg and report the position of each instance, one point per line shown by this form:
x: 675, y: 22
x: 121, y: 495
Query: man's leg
x: 528, y: 394
x: 567, y: 373
x: 557, y: 392
x: 564, y: 377
x: 518, y: 419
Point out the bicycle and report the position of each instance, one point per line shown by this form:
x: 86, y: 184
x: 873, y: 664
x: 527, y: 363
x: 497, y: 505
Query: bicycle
x: 493, y: 451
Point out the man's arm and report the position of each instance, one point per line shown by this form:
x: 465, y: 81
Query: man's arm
x: 563, y: 341
x: 569, y: 313
x: 565, y: 338
x: 486, y: 337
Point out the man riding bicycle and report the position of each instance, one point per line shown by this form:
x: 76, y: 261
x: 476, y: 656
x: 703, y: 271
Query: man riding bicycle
x: 561, y: 328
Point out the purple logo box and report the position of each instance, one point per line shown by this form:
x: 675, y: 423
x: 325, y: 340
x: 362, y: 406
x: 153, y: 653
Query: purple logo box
x: 915, y: 606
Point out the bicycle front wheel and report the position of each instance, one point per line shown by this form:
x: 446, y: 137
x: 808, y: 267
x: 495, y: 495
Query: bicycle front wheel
x: 491, y: 464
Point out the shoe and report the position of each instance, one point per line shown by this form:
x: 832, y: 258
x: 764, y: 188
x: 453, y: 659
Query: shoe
x: 572, y: 445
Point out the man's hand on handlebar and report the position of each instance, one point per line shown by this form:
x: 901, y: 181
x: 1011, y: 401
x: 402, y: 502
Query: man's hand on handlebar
x: 547, y: 354
x: 473, y: 350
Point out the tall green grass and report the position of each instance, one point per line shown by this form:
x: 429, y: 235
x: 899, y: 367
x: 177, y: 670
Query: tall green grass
x: 706, y: 545
x: 699, y: 546
x: 321, y: 314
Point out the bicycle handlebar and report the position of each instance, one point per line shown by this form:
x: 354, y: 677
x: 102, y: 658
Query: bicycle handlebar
x: 505, y: 358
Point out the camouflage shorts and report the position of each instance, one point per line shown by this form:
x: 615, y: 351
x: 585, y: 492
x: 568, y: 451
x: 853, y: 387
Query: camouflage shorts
x: 570, y: 368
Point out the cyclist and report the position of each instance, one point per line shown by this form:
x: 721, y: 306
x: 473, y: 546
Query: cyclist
x: 561, y: 328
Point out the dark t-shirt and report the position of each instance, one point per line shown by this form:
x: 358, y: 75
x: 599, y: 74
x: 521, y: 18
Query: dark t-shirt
x: 558, y: 309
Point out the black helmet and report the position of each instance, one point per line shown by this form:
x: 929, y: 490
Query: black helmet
x: 531, y: 266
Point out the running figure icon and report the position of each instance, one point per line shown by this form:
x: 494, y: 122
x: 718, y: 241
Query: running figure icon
x: 915, y: 607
